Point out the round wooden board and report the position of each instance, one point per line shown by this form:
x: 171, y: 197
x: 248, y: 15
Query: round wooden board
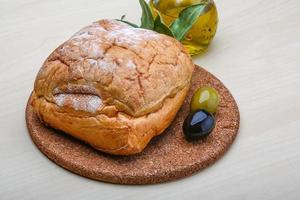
x: 167, y: 157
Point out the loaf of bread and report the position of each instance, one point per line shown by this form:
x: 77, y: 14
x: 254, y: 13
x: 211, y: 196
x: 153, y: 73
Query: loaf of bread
x: 113, y: 86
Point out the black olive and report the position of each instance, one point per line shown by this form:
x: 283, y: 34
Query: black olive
x: 198, y: 124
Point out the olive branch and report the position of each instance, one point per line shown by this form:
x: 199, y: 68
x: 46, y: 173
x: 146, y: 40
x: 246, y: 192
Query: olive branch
x: 177, y: 29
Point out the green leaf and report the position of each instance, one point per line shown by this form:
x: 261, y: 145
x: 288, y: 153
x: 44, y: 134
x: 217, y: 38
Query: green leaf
x: 123, y: 17
x: 187, y: 17
x: 129, y: 23
x: 161, y: 27
x: 147, y: 20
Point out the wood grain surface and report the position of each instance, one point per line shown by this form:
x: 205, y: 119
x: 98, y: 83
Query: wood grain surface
x: 255, y: 54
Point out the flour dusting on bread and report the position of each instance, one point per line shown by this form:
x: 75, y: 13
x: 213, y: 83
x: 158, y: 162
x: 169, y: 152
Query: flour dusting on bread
x: 88, y: 103
x: 130, y: 64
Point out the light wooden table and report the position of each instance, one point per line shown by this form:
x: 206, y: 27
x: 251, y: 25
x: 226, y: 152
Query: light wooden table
x: 256, y: 53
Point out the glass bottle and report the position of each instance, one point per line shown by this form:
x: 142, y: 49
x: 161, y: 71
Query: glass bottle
x: 202, y: 32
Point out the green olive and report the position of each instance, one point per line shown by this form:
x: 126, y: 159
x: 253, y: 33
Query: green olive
x: 205, y: 98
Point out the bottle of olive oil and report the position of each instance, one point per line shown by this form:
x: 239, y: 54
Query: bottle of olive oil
x: 202, y: 32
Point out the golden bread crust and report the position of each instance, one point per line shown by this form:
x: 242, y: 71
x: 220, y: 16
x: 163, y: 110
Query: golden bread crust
x: 113, y: 86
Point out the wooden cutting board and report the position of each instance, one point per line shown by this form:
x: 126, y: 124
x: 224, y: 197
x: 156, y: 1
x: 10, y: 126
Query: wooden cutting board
x: 167, y: 157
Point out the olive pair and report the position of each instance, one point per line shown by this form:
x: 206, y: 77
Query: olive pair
x: 200, y: 122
